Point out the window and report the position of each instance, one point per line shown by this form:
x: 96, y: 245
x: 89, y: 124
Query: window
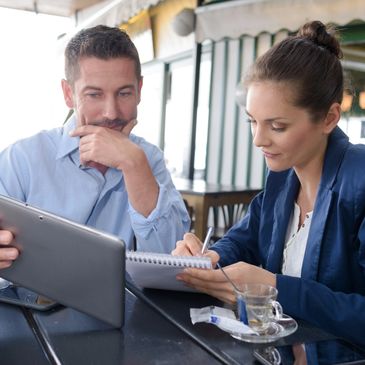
x: 165, y: 112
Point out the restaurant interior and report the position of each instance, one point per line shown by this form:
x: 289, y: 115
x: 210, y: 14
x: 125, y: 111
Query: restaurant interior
x: 194, y: 54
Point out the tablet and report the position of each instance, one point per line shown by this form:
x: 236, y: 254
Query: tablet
x: 70, y: 263
x: 26, y: 298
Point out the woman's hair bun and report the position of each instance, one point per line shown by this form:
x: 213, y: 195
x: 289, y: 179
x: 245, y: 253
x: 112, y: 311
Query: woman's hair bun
x: 319, y: 34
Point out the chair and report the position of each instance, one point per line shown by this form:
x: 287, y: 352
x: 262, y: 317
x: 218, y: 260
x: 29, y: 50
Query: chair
x: 225, y: 216
x: 190, y: 211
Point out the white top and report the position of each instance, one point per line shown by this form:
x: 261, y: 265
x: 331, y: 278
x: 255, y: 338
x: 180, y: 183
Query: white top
x: 296, y: 243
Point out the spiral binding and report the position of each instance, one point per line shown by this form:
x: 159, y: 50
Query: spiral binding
x: 168, y: 260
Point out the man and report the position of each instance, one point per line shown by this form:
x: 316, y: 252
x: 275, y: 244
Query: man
x: 92, y: 170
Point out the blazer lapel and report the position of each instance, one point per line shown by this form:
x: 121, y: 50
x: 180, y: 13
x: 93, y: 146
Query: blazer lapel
x: 282, y: 210
x: 337, y: 145
x: 316, y: 231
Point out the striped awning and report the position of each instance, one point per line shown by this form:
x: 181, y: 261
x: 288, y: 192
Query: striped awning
x: 233, y: 19
x: 112, y: 12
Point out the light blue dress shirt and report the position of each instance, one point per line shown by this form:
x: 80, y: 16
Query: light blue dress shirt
x: 45, y: 171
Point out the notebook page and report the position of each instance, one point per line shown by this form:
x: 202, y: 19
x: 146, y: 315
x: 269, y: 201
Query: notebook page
x: 158, y: 271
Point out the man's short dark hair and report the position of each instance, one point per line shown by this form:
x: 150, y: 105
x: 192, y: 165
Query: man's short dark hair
x: 101, y: 42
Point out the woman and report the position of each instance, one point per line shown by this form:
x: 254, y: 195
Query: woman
x: 305, y: 233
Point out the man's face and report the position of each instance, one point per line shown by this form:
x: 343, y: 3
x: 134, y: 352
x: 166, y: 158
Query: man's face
x: 105, y: 93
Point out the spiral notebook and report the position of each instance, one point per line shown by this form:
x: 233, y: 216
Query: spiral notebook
x: 158, y: 270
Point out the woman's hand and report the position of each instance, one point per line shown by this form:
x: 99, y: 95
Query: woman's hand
x: 192, y: 246
x: 214, y: 283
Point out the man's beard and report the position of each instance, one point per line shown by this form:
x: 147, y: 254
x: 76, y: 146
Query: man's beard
x: 117, y: 124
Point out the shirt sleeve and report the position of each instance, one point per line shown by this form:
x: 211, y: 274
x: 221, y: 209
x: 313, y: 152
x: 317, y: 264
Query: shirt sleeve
x: 13, y: 181
x: 339, y: 313
x: 168, y: 222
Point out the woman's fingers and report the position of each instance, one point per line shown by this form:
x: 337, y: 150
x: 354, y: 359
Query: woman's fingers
x: 189, y: 246
x: 211, y: 282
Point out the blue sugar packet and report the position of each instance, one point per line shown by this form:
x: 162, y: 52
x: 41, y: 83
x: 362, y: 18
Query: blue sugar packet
x: 223, y: 318
x: 241, y: 309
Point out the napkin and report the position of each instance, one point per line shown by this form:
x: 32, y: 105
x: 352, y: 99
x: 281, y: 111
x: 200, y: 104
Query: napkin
x: 223, y: 318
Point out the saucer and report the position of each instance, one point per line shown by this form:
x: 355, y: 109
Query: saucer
x: 278, y: 329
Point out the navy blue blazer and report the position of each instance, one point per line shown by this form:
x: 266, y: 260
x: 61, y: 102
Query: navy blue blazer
x: 331, y: 290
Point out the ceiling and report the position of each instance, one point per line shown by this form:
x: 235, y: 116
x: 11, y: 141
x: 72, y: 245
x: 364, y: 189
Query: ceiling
x: 53, y: 7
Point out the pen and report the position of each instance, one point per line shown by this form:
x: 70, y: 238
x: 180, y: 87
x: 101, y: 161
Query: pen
x: 207, y: 239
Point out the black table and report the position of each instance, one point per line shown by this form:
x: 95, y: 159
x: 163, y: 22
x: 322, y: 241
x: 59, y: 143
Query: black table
x: 175, y: 306
x: 18, y: 344
x: 157, y: 330
x: 146, y: 338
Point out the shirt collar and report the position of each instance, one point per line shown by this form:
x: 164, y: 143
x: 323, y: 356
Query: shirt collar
x: 68, y: 144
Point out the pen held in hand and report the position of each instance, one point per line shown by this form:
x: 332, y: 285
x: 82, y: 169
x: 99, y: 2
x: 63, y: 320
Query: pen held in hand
x: 207, y: 240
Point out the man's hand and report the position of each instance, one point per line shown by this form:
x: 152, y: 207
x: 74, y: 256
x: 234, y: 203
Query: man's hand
x: 112, y: 148
x: 106, y: 146
x: 7, y: 254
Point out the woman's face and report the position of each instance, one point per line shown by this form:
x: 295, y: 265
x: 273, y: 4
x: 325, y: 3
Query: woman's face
x: 285, y: 133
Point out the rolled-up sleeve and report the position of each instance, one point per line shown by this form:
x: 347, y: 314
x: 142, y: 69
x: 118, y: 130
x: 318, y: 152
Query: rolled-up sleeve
x: 168, y: 222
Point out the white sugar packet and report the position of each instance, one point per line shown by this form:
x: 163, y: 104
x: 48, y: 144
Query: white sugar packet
x: 223, y: 318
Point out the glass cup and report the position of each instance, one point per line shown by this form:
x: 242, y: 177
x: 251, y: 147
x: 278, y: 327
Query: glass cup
x: 268, y: 355
x: 256, y: 304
